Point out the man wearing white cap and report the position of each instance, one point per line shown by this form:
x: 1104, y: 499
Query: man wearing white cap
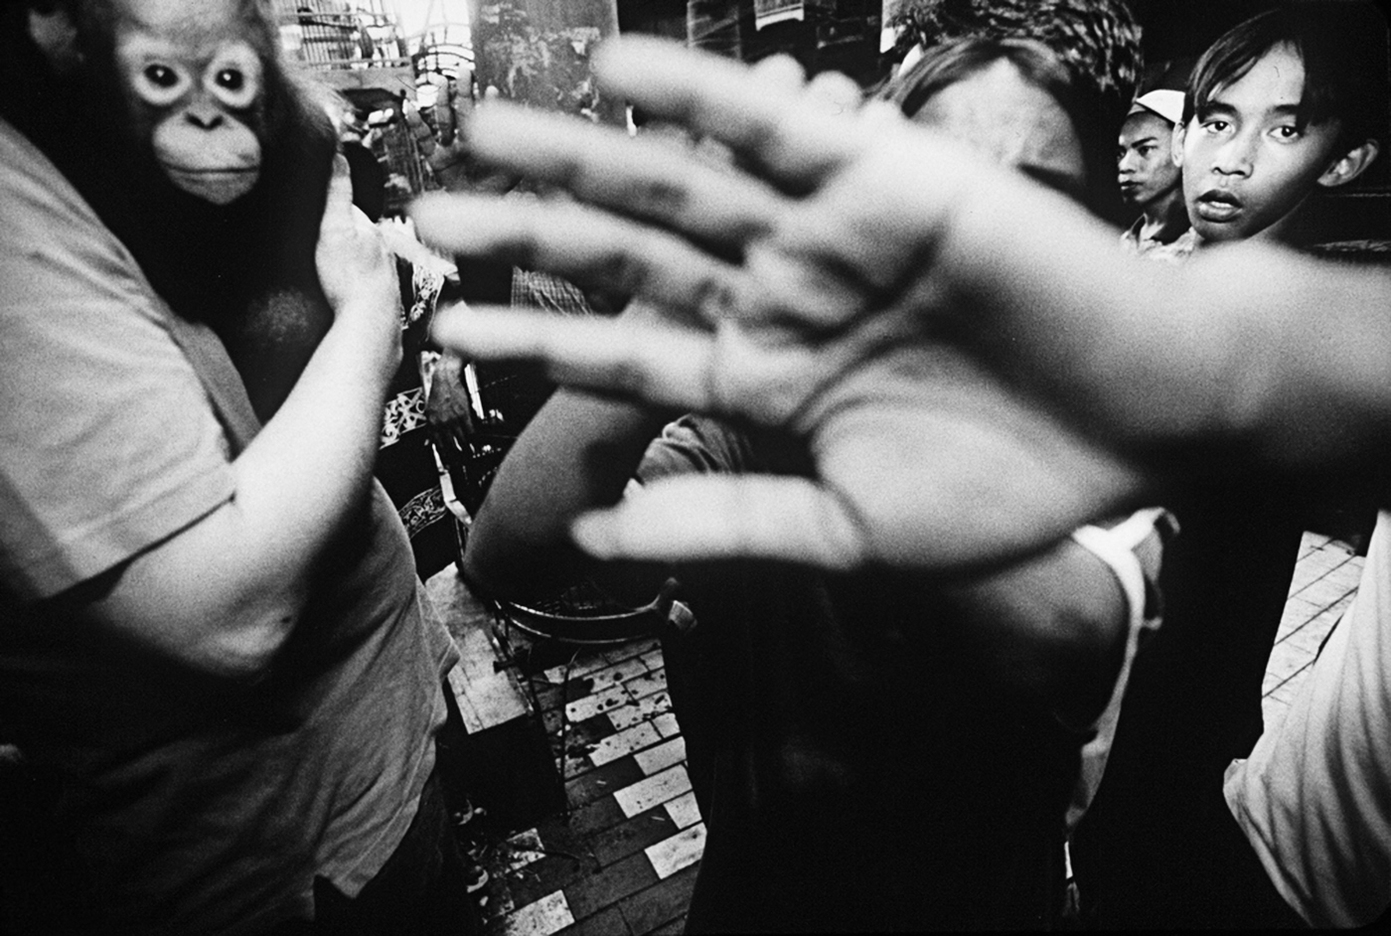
x: 1148, y: 176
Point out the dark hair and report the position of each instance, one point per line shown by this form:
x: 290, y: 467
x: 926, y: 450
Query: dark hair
x: 1344, y: 65
x: 945, y: 65
x: 368, y: 178
x: 1098, y: 39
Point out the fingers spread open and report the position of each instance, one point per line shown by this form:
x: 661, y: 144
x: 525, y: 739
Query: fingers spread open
x: 728, y: 373
x: 870, y: 236
x: 658, y: 178
x: 664, y: 365
x: 781, y: 71
x: 583, y: 244
x: 722, y: 517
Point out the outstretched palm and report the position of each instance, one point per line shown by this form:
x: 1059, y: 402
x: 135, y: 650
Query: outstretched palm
x: 916, y: 455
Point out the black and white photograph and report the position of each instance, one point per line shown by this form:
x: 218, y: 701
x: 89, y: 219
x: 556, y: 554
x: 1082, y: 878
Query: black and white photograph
x: 643, y: 467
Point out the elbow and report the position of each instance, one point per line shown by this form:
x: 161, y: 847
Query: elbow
x: 246, y: 646
x: 475, y: 572
x: 247, y: 652
x: 1054, y: 635
x: 1067, y: 663
x: 481, y: 566
x: 1079, y: 667
x: 507, y: 563
x: 509, y: 579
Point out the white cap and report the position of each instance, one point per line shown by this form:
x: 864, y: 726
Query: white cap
x: 1167, y: 104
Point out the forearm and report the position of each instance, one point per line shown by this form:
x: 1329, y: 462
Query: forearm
x: 577, y: 453
x: 223, y: 594
x: 318, y: 452
x: 1265, y: 353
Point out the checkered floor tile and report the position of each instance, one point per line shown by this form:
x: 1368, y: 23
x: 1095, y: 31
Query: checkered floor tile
x: 623, y: 859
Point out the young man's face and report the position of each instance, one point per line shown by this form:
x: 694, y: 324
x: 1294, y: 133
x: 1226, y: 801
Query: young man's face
x: 1246, y: 163
x: 1145, y: 169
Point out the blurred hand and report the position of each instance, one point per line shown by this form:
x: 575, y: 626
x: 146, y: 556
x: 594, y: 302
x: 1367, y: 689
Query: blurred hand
x: 796, y: 281
x: 920, y: 458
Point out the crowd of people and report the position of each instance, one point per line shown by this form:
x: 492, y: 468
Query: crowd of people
x: 974, y: 513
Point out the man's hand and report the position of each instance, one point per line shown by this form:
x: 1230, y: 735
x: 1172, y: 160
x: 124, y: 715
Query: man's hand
x: 817, y: 261
x: 669, y: 219
x: 448, y: 409
x: 920, y: 459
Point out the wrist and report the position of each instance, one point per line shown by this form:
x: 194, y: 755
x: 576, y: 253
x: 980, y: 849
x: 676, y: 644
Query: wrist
x: 373, y: 329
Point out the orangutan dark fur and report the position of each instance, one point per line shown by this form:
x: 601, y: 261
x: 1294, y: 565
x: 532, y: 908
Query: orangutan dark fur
x: 247, y: 267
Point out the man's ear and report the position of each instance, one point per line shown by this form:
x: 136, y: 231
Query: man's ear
x: 53, y: 31
x: 1176, y: 144
x: 1350, y: 166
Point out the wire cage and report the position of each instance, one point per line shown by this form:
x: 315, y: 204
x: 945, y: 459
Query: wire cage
x: 335, y: 34
x: 359, y: 49
x: 401, y: 156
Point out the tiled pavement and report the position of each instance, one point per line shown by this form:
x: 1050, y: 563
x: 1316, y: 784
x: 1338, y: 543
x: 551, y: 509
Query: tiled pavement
x: 623, y: 860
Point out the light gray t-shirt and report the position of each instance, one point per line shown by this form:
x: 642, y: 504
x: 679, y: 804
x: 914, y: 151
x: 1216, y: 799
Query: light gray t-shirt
x: 1314, y: 797
x: 199, y: 806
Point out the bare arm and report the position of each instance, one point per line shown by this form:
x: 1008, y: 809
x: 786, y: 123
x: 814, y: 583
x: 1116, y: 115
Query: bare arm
x: 223, y: 594
x: 576, y: 454
x: 1256, y: 355
x: 1055, y: 626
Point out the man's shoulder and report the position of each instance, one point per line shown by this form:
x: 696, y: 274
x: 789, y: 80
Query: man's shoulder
x: 31, y: 183
x: 51, y: 236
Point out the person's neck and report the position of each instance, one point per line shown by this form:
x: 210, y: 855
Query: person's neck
x: 1290, y: 230
x: 1165, y: 218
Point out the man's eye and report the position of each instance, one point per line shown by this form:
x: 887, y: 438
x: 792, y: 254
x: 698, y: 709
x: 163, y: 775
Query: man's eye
x: 1215, y: 126
x: 1287, y: 132
x: 1146, y: 150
